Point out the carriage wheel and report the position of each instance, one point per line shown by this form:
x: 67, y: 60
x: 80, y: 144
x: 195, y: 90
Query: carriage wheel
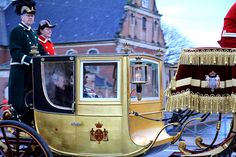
x: 19, y: 140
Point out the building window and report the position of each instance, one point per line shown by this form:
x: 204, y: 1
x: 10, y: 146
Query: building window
x: 71, y: 52
x: 155, y: 25
x: 145, y: 3
x: 132, y: 19
x: 144, y: 23
x: 93, y: 51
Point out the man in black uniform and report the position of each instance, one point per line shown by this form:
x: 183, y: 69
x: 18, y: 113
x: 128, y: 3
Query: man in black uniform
x: 22, y: 41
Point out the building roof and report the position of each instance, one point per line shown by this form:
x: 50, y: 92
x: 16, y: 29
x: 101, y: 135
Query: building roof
x: 77, y: 20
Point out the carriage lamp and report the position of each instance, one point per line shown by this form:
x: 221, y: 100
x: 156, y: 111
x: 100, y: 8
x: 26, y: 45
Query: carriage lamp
x: 139, y: 76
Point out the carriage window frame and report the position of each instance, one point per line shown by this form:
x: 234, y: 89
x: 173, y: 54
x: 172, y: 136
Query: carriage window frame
x: 45, y: 88
x: 118, y: 72
x: 132, y: 60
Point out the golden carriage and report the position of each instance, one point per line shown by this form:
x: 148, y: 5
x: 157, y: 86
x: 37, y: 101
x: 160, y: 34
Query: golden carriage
x: 87, y: 105
x: 109, y: 105
x: 98, y: 120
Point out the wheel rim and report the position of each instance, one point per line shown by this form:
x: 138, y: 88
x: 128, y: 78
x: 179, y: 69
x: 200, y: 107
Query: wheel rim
x: 20, y: 141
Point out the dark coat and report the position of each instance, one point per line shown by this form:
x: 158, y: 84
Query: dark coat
x: 63, y: 97
x: 20, y: 79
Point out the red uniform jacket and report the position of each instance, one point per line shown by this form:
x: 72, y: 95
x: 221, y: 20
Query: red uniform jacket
x: 228, y: 35
x: 48, y: 46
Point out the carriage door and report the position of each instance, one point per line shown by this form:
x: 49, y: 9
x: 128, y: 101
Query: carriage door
x: 54, y: 84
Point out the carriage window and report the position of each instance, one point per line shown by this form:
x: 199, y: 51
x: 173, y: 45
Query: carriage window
x: 58, y: 81
x: 101, y: 83
x: 151, y: 89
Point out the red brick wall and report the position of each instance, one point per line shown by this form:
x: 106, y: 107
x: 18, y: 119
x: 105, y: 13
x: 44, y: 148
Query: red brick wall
x: 4, y: 55
x: 81, y: 49
x: 133, y: 28
x: 3, y: 85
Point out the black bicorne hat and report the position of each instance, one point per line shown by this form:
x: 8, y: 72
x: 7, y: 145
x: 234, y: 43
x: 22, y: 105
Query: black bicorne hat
x: 24, y: 6
x: 43, y: 24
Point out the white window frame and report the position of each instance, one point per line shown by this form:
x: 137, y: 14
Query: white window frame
x: 82, y: 79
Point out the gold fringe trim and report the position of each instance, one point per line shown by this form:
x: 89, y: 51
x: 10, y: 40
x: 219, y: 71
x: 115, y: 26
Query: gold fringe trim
x: 208, y: 56
x: 201, y: 103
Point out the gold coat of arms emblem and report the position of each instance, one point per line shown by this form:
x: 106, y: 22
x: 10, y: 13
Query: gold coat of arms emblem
x: 98, y: 134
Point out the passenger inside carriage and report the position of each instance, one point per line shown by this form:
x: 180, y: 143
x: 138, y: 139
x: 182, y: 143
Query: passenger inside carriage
x: 58, y: 81
x: 99, y: 80
x: 63, y: 90
x: 88, y: 92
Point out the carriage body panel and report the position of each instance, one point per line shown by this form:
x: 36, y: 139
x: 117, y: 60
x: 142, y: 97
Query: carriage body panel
x: 98, y: 121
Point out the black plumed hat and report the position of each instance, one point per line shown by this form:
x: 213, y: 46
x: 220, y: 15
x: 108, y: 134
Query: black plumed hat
x: 24, y: 6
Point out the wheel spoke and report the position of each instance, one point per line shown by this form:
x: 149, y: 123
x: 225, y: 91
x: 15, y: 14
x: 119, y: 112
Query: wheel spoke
x: 7, y: 141
x: 28, y: 148
x: 20, y: 140
x: 17, y: 142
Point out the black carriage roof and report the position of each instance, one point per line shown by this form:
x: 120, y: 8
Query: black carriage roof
x: 134, y: 54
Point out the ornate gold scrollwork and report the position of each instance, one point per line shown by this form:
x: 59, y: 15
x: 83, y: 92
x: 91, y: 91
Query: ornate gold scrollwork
x: 179, y: 134
x: 199, y: 142
x: 182, y: 148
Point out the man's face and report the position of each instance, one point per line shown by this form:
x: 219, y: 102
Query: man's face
x: 28, y: 19
x: 61, y: 82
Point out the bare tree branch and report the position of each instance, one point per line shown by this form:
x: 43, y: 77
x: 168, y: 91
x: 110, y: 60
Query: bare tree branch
x: 175, y: 42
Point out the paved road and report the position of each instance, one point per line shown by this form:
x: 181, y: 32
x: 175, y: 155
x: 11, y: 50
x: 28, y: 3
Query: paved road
x: 164, y: 153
